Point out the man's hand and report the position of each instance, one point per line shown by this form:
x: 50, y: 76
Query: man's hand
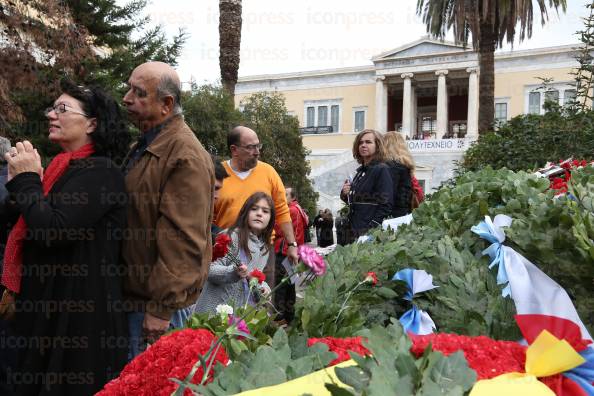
x: 153, y: 327
x: 292, y: 255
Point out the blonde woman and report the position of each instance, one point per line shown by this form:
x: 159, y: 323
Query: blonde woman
x: 402, y: 168
x: 370, y: 194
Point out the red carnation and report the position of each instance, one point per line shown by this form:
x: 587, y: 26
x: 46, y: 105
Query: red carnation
x: 371, y: 277
x: 258, y: 275
x: 221, y: 246
x: 488, y: 357
x: 341, y: 346
x: 172, y: 356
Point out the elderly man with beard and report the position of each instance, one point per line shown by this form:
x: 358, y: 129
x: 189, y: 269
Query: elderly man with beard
x: 247, y: 175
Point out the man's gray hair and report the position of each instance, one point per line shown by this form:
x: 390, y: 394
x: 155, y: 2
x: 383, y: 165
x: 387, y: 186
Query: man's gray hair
x: 169, y: 87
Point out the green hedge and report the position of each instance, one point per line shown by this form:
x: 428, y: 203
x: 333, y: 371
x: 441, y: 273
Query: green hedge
x: 527, y: 142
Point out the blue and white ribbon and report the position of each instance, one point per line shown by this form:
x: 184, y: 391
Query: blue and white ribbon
x: 416, y: 320
x: 533, y: 291
x: 492, y: 232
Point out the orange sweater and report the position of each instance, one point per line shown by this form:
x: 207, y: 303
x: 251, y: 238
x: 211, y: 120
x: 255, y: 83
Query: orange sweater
x: 236, y: 191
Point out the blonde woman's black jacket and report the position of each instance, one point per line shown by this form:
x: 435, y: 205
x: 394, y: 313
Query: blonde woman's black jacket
x: 371, y: 197
x: 402, y: 180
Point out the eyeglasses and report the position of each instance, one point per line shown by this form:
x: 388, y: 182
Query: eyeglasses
x: 62, y: 108
x: 252, y: 147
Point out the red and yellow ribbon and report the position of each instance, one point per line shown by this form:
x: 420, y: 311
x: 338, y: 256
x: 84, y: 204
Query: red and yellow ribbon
x: 546, y: 356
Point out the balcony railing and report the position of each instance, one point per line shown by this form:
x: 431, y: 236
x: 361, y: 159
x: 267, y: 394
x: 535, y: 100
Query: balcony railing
x: 425, y: 135
x: 456, y: 130
x: 315, y: 130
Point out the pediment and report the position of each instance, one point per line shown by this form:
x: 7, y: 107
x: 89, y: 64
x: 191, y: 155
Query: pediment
x: 425, y: 46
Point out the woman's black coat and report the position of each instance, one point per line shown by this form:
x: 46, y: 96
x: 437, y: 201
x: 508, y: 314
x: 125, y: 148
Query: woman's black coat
x: 371, y: 197
x: 402, y: 180
x: 69, y: 315
x: 326, y: 232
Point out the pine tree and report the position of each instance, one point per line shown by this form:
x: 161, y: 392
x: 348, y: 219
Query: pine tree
x: 112, y: 29
x: 91, y: 41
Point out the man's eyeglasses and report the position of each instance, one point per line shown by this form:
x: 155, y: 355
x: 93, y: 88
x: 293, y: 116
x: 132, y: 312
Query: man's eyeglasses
x: 252, y: 147
x: 62, y: 108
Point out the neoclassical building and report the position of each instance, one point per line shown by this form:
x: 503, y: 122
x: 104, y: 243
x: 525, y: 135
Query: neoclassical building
x: 427, y: 90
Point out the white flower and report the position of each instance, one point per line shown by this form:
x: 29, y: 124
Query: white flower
x: 224, y: 309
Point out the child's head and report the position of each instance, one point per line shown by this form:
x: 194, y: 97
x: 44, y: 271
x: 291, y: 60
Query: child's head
x: 257, y: 215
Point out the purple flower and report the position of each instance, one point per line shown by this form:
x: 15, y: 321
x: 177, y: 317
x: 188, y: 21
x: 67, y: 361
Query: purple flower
x: 240, y: 324
x: 312, y: 259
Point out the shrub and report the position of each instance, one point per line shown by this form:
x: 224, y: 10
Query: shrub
x: 527, y: 142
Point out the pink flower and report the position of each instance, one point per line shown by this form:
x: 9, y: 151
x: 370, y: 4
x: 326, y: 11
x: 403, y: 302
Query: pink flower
x: 312, y: 259
x: 241, y: 325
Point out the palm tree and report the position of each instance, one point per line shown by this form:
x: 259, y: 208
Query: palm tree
x: 229, y: 42
x: 490, y: 22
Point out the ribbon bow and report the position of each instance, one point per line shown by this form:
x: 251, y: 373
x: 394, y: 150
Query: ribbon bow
x: 577, y: 381
x: 492, y: 232
x: 416, y: 320
x: 546, y: 356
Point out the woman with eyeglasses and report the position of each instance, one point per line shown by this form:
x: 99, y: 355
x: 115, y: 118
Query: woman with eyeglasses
x: 61, y: 270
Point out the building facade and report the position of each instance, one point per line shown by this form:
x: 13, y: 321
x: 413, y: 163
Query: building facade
x: 427, y: 90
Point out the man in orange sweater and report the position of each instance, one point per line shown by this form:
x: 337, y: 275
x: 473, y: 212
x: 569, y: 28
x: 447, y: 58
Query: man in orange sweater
x: 247, y: 175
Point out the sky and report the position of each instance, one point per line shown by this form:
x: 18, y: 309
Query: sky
x: 280, y: 36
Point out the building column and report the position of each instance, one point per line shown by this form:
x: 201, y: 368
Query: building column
x: 413, y: 112
x: 442, y: 104
x: 407, y: 104
x: 473, y: 108
x: 381, y: 104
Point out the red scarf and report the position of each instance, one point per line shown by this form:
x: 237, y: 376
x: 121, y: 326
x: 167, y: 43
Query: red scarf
x: 13, y: 255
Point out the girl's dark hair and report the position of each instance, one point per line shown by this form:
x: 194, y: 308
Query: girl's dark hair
x: 112, y: 137
x: 242, y: 226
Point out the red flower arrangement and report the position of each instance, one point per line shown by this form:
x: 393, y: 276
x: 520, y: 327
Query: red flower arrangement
x: 560, y: 179
x: 259, y: 275
x: 488, y: 357
x: 341, y: 346
x: 221, y: 246
x: 371, y: 277
x: 172, y: 356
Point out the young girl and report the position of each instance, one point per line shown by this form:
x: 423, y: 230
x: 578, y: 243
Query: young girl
x: 250, y: 237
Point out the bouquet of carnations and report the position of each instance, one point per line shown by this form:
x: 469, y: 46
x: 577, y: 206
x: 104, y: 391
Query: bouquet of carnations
x: 171, y: 357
